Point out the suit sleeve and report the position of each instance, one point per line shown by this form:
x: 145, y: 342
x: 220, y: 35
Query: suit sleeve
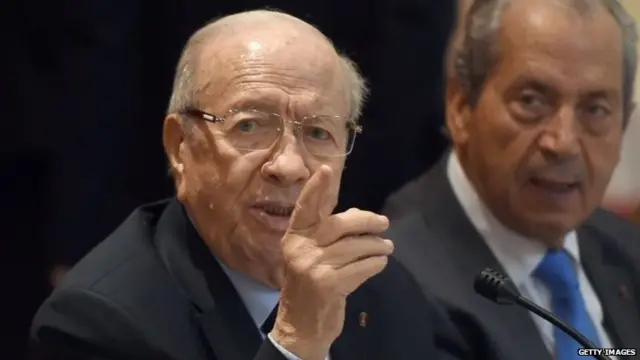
x: 394, y: 207
x: 270, y: 351
x: 83, y: 325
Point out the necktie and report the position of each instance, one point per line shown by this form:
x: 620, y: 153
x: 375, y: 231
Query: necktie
x: 558, y: 272
x: 268, y: 323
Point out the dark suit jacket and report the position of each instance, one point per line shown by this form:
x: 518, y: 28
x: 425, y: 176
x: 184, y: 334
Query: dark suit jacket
x: 437, y: 242
x: 152, y: 290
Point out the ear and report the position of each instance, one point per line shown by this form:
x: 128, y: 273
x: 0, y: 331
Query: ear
x: 458, y: 112
x: 173, y: 139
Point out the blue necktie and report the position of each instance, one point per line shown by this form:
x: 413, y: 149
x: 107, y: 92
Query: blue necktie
x: 558, y: 272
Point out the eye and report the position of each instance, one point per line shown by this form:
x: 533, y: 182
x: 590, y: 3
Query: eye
x: 530, y: 105
x: 531, y: 100
x: 247, y: 125
x: 596, y: 110
x: 317, y: 133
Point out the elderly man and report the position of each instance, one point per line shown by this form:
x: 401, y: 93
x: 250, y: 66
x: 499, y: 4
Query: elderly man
x: 262, y: 116
x: 536, y: 112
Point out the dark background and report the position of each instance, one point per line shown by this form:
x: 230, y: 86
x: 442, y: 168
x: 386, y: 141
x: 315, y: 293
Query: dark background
x: 85, y: 86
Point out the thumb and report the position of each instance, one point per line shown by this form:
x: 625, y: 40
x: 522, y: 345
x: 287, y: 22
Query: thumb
x: 314, y: 203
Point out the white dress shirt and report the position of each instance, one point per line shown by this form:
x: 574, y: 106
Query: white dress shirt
x: 520, y: 256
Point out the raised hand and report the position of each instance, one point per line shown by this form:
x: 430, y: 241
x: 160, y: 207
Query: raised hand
x: 326, y: 257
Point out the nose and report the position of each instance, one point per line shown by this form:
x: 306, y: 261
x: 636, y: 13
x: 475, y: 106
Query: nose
x: 287, y: 166
x: 560, y: 138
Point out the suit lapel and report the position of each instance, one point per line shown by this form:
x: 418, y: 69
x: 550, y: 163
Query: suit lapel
x: 224, y: 321
x: 604, y: 266
x: 511, y: 327
x: 358, y: 339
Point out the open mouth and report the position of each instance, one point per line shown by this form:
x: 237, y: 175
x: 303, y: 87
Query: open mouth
x: 552, y: 185
x: 274, y: 216
x: 276, y: 210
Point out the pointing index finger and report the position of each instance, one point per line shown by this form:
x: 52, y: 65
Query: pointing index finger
x: 315, y: 202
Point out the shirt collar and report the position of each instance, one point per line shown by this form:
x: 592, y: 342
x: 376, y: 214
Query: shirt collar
x: 518, y: 255
x: 258, y: 298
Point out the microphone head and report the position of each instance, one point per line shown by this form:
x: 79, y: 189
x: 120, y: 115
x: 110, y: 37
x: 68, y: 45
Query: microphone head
x: 495, y: 286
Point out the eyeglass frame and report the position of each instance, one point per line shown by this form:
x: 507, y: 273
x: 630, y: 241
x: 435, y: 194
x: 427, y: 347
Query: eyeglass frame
x: 214, y: 119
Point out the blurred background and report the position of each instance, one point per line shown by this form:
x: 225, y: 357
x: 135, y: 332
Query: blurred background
x: 86, y: 86
x: 624, y: 190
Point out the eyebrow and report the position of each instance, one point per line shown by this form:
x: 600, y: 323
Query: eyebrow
x: 531, y: 82
x: 606, y: 93
x: 549, y: 88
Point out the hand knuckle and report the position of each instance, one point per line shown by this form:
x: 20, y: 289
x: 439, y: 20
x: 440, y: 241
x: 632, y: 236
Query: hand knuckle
x: 290, y: 246
x: 340, y: 220
x: 321, y: 276
x: 390, y: 246
x: 303, y: 262
x: 381, y: 262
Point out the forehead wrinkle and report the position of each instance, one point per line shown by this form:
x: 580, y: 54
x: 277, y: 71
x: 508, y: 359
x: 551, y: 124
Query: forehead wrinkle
x: 292, y: 55
x: 534, y: 41
x: 557, y: 24
x: 316, y: 81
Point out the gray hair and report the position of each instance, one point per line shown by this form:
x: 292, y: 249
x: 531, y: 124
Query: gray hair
x: 187, y: 87
x: 478, y: 53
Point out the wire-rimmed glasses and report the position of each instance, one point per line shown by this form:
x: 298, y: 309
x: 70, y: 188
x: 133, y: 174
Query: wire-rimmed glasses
x: 250, y: 129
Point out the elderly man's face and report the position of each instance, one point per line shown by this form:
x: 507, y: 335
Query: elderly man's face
x: 241, y: 200
x: 545, y: 136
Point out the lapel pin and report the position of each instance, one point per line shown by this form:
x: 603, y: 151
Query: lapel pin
x: 624, y: 292
x: 362, y: 319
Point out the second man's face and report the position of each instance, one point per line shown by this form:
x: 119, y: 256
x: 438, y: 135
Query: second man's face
x: 543, y: 141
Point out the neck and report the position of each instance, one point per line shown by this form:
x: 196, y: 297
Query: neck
x: 264, y: 271
x: 549, y: 237
x: 229, y: 252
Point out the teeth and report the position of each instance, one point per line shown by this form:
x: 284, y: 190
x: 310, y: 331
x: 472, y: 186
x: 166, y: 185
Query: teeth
x: 553, y: 184
x: 277, y: 210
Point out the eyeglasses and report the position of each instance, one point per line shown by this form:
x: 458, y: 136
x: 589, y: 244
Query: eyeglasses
x: 250, y: 130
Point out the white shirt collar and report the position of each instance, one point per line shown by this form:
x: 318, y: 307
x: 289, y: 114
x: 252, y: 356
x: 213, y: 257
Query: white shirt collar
x: 518, y: 255
x: 259, y: 299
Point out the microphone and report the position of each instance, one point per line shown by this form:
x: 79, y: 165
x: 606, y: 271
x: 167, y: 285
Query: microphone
x: 499, y: 288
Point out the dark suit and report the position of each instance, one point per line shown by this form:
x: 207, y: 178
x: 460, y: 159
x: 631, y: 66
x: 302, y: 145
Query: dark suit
x: 438, y: 243
x: 152, y: 290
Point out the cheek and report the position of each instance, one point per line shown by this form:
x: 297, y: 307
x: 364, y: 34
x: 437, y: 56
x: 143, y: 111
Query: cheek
x: 601, y: 159
x: 499, y: 143
x: 230, y: 173
x: 242, y: 172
